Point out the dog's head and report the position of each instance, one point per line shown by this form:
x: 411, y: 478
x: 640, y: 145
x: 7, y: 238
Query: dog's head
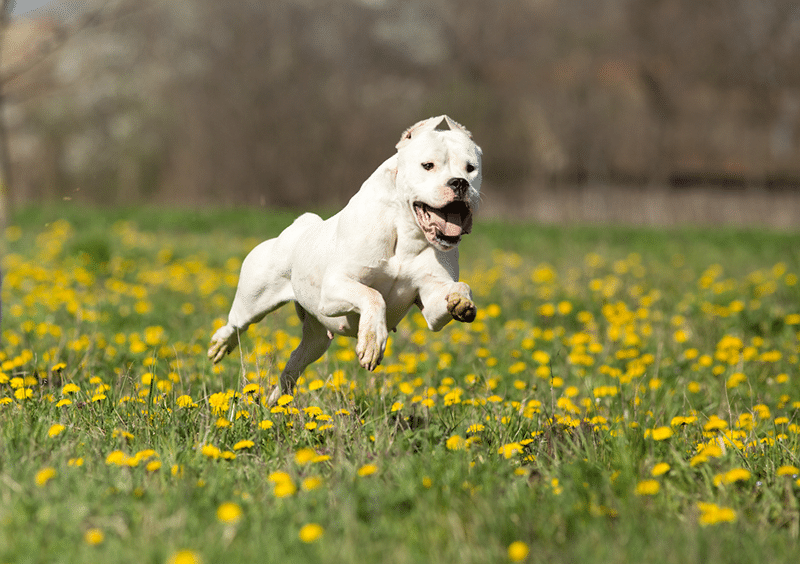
x: 439, y: 177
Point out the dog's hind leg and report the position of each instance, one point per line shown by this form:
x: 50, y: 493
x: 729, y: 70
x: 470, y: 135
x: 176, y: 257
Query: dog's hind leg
x: 313, y: 345
x: 264, y: 286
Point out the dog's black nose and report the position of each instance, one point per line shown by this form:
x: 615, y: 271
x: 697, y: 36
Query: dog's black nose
x: 459, y: 185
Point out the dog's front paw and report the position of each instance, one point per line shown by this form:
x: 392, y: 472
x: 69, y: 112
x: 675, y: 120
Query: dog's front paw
x: 371, y: 345
x: 461, y: 308
x: 222, y: 343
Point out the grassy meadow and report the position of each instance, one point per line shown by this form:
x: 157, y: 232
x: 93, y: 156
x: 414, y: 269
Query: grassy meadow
x: 625, y: 395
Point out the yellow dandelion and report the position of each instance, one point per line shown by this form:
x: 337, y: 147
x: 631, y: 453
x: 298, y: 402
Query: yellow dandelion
x: 243, y: 444
x: 93, y: 537
x: 310, y: 532
x: 456, y: 442
x: 312, y: 483
x: 229, y: 512
x: 660, y: 469
x: 279, y: 476
x: 367, y: 470
x: 55, y: 430
x: 715, y: 423
x: 44, y: 475
x: 284, y: 489
x: 518, y: 551
x: 117, y: 457
x: 185, y: 557
x: 732, y: 476
x: 712, y: 514
x: 648, y: 487
x: 788, y: 471
x: 510, y: 449
x: 304, y: 456
x: 661, y: 433
x: 185, y: 401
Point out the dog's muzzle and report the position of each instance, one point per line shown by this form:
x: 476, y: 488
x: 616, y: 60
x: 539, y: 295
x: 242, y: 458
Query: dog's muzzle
x: 443, y: 227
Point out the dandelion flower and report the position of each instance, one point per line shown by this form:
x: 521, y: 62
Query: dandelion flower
x: 243, y: 444
x: 312, y: 483
x: 712, y: 514
x: 310, y: 532
x: 229, y: 512
x: 184, y: 401
x: 648, y: 487
x: 45, y: 475
x: 660, y: 469
x: 732, y: 476
x: 93, y: 537
x: 284, y: 489
x: 117, y: 457
x: 456, y: 442
x: 715, y: 423
x: 661, y: 433
x: 55, y: 430
x: 185, y: 557
x: 218, y: 402
x: 510, y: 449
x: 518, y: 551
x: 304, y: 456
x: 278, y: 477
x: 788, y: 471
x: 367, y: 470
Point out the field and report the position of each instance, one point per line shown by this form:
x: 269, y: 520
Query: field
x: 625, y: 395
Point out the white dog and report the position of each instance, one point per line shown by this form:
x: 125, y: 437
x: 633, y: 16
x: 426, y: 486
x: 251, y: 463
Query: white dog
x: 359, y: 272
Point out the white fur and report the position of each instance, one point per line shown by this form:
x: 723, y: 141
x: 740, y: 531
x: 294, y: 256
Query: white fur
x: 360, y: 271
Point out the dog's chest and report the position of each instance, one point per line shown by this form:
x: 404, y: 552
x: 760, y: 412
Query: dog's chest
x: 394, y: 279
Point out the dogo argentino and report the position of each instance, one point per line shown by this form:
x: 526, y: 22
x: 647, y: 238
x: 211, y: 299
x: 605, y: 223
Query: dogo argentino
x: 395, y: 244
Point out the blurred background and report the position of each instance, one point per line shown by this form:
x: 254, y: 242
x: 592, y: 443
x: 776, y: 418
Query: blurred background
x: 635, y: 111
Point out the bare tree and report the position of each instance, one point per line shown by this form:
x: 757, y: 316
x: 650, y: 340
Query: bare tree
x: 6, y: 7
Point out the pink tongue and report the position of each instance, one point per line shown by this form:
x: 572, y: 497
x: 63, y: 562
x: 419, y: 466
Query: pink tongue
x: 449, y: 224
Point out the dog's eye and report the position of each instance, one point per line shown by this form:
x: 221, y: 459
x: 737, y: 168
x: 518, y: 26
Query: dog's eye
x: 427, y: 166
x: 470, y: 167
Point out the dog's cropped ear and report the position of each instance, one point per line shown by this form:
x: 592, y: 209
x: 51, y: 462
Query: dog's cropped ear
x: 451, y: 124
x: 438, y: 123
x: 412, y: 131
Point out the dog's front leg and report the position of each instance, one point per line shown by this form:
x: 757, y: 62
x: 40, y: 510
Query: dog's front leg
x: 341, y: 296
x: 439, y: 303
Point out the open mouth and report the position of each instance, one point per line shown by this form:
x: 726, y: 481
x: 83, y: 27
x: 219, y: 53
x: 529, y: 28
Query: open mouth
x: 444, y: 227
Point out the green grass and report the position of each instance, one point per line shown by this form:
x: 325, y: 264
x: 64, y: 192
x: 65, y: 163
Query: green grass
x: 598, y: 354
